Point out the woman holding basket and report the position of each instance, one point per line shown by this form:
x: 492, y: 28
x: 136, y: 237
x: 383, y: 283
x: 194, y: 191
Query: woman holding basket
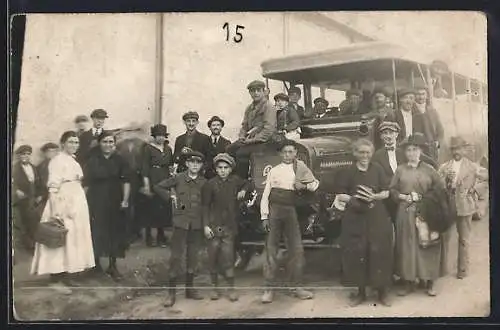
x: 67, y: 206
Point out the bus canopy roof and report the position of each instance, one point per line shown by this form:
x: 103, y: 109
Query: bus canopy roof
x: 361, y: 61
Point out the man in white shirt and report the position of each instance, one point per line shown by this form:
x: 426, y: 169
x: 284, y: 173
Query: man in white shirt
x: 408, y: 118
x: 460, y: 175
x: 279, y: 218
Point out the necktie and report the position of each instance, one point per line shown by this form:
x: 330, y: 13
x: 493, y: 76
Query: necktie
x: 215, y: 141
x: 390, y: 148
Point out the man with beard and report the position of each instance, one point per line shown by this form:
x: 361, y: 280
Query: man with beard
x: 257, y: 128
x: 294, y: 95
x: 433, y: 128
x: 190, y: 141
x: 218, y: 144
x: 460, y: 175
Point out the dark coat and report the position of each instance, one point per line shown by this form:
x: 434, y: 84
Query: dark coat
x: 435, y: 209
x: 85, y: 150
x: 43, y: 174
x: 287, y: 119
x: 418, y: 123
x: 200, y: 142
x: 300, y: 110
x: 433, y: 128
x: 216, y: 149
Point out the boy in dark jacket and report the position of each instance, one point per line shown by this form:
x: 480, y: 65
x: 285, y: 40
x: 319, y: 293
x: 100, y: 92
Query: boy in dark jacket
x: 220, y: 197
x: 185, y: 191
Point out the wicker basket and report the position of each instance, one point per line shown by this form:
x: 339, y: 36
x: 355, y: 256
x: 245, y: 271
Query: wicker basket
x: 52, y: 233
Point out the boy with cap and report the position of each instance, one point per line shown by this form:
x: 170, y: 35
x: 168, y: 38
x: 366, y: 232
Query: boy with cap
x: 279, y: 217
x: 294, y: 93
x: 88, y: 139
x: 218, y: 143
x: 25, y: 179
x: 257, y: 128
x: 220, y: 197
x: 287, y: 119
x: 185, y: 191
x: 191, y: 140
x: 81, y: 123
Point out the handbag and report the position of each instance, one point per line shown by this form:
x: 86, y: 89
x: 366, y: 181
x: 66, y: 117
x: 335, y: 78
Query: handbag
x: 51, y: 233
x: 426, y: 238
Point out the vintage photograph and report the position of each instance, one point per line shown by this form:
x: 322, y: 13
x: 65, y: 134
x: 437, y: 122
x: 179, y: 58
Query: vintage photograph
x: 250, y: 165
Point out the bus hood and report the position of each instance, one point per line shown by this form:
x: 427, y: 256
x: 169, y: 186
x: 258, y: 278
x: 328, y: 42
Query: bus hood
x: 327, y: 145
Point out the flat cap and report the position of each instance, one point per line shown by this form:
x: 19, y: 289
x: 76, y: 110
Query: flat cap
x: 281, y: 96
x: 390, y: 125
x: 405, y: 91
x: 81, y: 118
x: 99, y: 113
x: 191, y: 114
x: 321, y: 100
x: 354, y: 91
x: 256, y: 84
x: 215, y: 118
x: 224, y: 157
x: 159, y: 130
x: 294, y: 89
x: 24, y: 149
x: 194, y: 155
x: 50, y: 145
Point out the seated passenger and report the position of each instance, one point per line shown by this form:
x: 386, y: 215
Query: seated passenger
x: 287, y: 119
x: 257, y: 128
x: 351, y: 106
x: 321, y: 110
x: 294, y: 93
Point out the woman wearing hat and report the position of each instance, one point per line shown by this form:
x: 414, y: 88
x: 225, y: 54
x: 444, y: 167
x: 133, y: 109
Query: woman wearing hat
x: 366, y: 234
x: 107, y: 178
x: 157, y: 166
x: 67, y: 202
x: 411, y: 182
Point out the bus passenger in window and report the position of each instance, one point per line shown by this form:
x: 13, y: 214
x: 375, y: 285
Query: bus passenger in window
x: 321, y: 110
x: 433, y: 128
x: 352, y: 105
x: 294, y: 94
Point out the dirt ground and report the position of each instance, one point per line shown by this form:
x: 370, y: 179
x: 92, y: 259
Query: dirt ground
x: 140, y: 296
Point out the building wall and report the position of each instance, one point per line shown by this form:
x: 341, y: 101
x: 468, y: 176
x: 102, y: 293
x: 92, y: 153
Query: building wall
x: 205, y: 73
x: 75, y: 63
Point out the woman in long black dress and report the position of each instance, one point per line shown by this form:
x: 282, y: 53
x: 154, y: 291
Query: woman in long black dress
x: 157, y: 166
x: 107, y: 179
x: 367, y: 235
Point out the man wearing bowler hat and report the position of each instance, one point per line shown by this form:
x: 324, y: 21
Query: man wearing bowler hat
x: 460, y: 175
x: 191, y: 140
x: 218, y: 143
x: 257, y: 128
x: 88, y: 139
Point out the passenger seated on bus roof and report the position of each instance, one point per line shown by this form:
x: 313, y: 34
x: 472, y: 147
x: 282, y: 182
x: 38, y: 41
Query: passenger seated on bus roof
x: 321, y: 109
x: 352, y: 105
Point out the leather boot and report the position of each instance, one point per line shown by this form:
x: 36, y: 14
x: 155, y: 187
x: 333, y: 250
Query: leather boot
x: 170, y: 301
x: 191, y: 292
x: 232, y: 294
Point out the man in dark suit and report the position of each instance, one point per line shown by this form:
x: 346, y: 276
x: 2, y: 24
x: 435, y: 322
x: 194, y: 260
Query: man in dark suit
x: 24, y: 183
x: 49, y: 150
x: 81, y: 123
x: 294, y: 94
x: 218, y: 144
x: 190, y: 141
x: 407, y: 117
x: 88, y: 139
x: 320, y: 109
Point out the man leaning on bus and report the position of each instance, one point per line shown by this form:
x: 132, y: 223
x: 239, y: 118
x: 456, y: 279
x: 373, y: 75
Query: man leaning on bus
x: 257, y: 128
x: 432, y: 126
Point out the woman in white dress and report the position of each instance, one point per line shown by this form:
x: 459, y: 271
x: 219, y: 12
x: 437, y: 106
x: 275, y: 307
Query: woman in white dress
x: 68, y: 202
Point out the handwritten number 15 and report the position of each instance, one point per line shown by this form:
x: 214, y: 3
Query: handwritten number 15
x: 238, y: 36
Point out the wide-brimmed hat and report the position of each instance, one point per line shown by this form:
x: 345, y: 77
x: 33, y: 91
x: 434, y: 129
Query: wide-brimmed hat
x: 458, y: 142
x: 215, y: 118
x: 414, y: 140
x: 159, y: 130
x: 191, y: 115
x: 226, y: 158
x: 390, y: 125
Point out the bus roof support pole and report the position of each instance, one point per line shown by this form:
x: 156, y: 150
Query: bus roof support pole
x: 394, y: 83
x: 307, y: 97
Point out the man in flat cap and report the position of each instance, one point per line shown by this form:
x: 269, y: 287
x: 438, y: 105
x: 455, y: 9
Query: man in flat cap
x: 218, y: 144
x: 351, y: 105
x: 460, y: 175
x: 88, y: 139
x: 81, y: 123
x: 408, y: 118
x: 288, y: 120
x: 257, y: 128
x: 433, y: 128
x: 24, y: 183
x: 294, y: 93
x: 191, y: 140
x: 320, y: 109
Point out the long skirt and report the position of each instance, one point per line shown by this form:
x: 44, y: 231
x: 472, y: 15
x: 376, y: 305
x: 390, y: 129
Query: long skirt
x: 412, y: 261
x: 77, y: 254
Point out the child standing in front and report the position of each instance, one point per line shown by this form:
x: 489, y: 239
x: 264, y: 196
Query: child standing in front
x: 187, y: 237
x: 220, y: 198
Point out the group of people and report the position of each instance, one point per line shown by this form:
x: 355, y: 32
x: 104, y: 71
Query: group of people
x: 197, y: 187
